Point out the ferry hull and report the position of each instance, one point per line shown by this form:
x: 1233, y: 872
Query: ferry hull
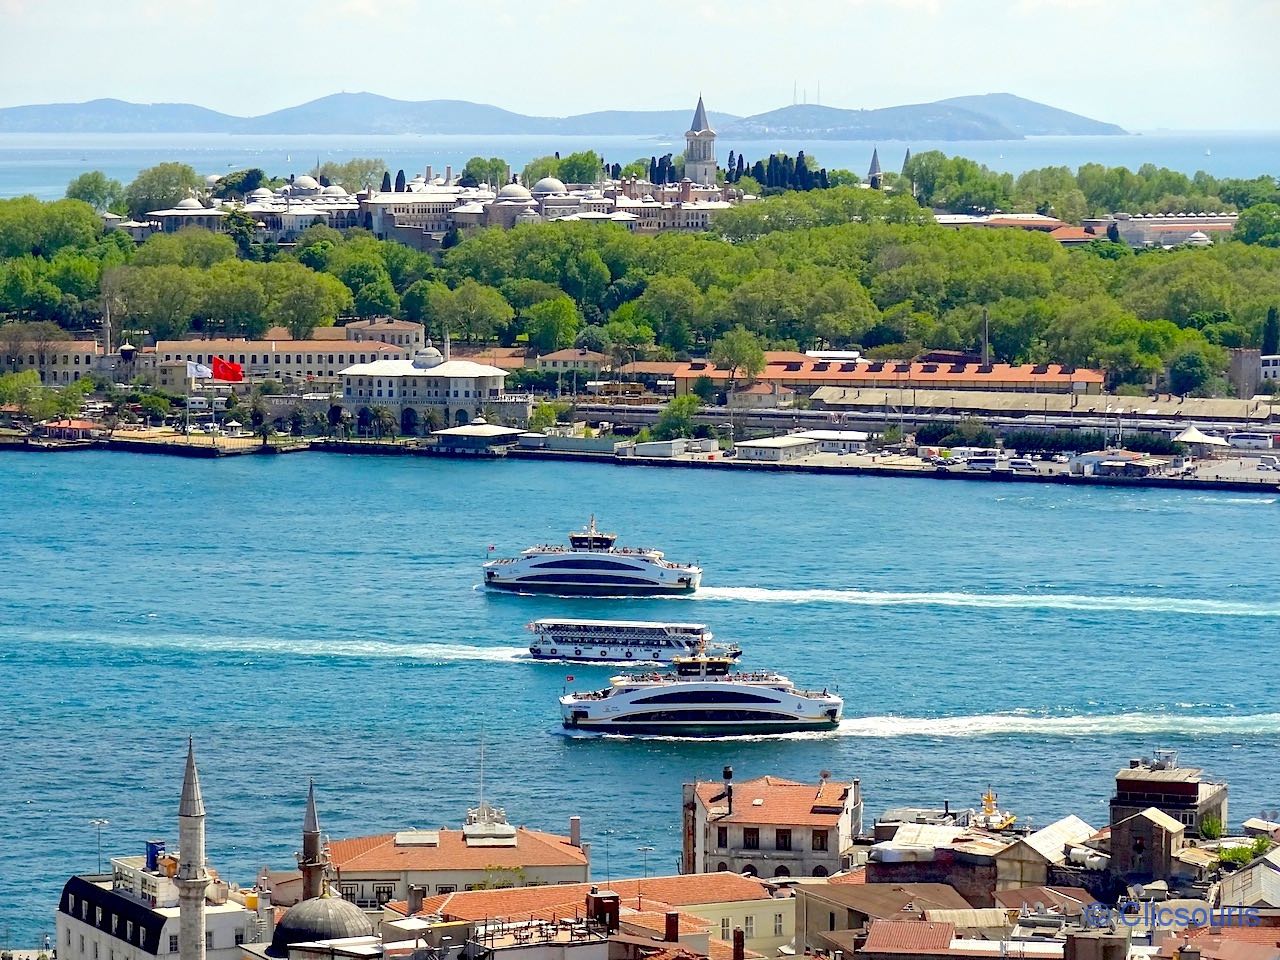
x: 703, y: 730
x: 622, y: 658
x: 592, y: 589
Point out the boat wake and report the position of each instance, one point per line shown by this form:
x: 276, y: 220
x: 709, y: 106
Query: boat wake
x: 1007, y: 724
x: 1008, y: 601
x: 280, y: 646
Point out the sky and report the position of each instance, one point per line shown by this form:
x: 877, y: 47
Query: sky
x: 1145, y: 64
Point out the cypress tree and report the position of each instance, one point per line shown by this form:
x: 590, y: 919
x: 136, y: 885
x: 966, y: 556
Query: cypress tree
x: 1271, y: 332
x: 742, y: 169
x: 823, y: 181
x: 616, y: 172
x: 730, y: 164
x: 399, y: 181
x: 758, y: 173
x: 386, y: 181
x: 653, y: 169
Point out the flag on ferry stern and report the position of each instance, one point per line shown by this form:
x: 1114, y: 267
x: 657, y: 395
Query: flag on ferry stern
x: 226, y: 370
x: 198, y: 371
x: 569, y: 679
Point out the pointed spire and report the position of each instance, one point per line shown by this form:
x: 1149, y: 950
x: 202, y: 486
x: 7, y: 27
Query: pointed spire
x: 311, y: 822
x: 875, y: 163
x: 192, y: 804
x: 906, y: 160
x: 699, y: 118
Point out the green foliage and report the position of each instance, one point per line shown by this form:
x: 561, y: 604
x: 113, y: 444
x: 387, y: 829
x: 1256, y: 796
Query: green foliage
x: 472, y: 310
x: 160, y: 187
x: 546, y: 415
x: 1239, y: 856
x: 1211, y: 828
x: 704, y: 388
x: 96, y: 189
x: 552, y: 324
x: 739, y: 351
x: 241, y: 183
x: 1260, y: 225
x: 354, y: 174
x: 676, y: 418
x: 479, y: 170
x: 192, y: 247
x: 966, y: 433
x: 1188, y: 372
x: 1271, y: 332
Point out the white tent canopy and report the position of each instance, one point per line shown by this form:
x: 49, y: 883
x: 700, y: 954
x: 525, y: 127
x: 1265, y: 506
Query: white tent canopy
x: 1193, y: 435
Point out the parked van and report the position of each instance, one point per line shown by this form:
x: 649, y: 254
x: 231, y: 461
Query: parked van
x: 1023, y: 464
x: 985, y: 464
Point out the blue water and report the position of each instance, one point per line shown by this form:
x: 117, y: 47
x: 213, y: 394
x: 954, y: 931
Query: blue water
x: 43, y: 164
x: 318, y: 616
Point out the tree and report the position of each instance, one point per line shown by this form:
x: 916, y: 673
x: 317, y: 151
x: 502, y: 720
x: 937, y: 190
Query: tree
x: 543, y: 417
x: 353, y: 174
x: 162, y: 299
x: 552, y: 324
x: 160, y: 187
x: 96, y: 189
x: 1271, y: 332
x: 417, y: 301
x: 241, y: 183
x: 676, y: 418
x: 234, y: 301
x: 400, y: 181
x: 739, y: 349
x: 479, y: 170
x: 538, y: 168
x: 592, y: 338
x: 1188, y: 371
x: 386, y: 181
x: 189, y: 247
x: 704, y: 388
x: 581, y: 167
x: 474, y: 310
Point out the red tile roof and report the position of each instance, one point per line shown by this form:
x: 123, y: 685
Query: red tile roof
x: 574, y: 354
x: 858, y: 876
x: 893, y: 374
x: 653, y: 893
x: 71, y: 425
x: 1068, y: 901
x: 1073, y: 234
x: 379, y: 854
x: 222, y: 345
x: 908, y: 936
x: 782, y: 802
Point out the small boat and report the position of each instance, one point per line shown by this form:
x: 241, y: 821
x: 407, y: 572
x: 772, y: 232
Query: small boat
x: 702, y: 699
x: 592, y: 565
x: 620, y: 641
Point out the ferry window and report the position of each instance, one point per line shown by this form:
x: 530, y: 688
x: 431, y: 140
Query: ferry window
x: 722, y: 837
x: 820, y: 840
x: 782, y: 840
x: 751, y: 838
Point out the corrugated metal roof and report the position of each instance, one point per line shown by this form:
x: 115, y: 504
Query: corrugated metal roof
x: 1051, y: 842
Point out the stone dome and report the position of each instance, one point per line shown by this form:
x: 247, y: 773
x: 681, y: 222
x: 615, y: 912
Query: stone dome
x: 428, y: 357
x: 191, y: 203
x: 212, y: 180
x: 262, y: 193
x: 333, y: 190
x: 320, y: 918
x: 306, y: 182
x: 549, y: 185
x: 513, y: 191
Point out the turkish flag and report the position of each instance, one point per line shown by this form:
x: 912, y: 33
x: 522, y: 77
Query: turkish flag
x: 226, y: 370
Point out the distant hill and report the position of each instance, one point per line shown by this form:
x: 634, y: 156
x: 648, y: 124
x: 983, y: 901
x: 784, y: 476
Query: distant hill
x: 113, y: 116
x: 988, y: 117
x: 920, y: 121
x: 1030, y: 119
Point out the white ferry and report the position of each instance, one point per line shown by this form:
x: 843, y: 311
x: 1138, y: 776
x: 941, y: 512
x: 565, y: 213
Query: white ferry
x: 613, y: 641
x: 702, y: 699
x: 592, y: 565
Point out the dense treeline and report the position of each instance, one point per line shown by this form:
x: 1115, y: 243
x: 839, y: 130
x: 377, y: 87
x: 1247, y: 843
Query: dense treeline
x: 844, y: 267
x: 965, y: 186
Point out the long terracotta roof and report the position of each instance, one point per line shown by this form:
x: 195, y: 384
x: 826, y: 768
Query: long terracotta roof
x: 379, y: 854
x: 653, y: 893
x: 891, y: 373
x: 908, y: 936
x: 277, y: 346
x: 781, y: 802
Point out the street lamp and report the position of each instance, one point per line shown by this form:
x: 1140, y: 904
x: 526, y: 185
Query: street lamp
x: 99, y: 822
x: 646, y: 851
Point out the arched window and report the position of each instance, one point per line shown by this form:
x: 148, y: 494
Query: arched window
x: 749, y: 871
x: 782, y: 872
x: 722, y: 866
x: 819, y: 871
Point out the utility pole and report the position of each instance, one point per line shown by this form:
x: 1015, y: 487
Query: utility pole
x: 986, y: 338
x: 99, y: 823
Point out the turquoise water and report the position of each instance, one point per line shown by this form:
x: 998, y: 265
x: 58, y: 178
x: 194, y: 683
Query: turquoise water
x: 42, y: 164
x: 319, y: 616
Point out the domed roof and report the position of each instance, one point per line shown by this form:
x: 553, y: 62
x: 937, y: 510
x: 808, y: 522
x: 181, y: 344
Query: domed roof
x: 428, y: 357
x: 262, y: 193
x: 307, y: 182
x: 191, y: 203
x: 320, y: 918
x: 212, y: 180
x: 333, y: 190
x: 513, y: 191
x: 529, y: 215
x: 549, y: 185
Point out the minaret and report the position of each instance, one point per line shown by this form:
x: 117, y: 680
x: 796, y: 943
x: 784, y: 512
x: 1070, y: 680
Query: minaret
x: 312, y: 861
x: 192, y: 878
x: 874, y: 177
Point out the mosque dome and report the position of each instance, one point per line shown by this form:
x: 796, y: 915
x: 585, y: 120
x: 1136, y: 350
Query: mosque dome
x: 306, y: 182
x: 262, y: 193
x: 513, y: 191
x: 549, y: 185
x: 190, y: 203
x: 320, y: 918
x: 528, y: 216
x: 427, y: 357
x: 212, y: 180
x: 333, y: 190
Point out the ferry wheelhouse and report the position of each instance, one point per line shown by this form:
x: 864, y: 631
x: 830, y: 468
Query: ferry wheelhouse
x: 592, y: 565
x: 605, y: 641
x: 704, y: 698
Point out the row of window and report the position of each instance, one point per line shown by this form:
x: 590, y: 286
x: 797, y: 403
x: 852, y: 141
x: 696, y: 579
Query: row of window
x: 413, y: 394
x: 749, y: 926
x: 819, y: 839
x: 276, y: 358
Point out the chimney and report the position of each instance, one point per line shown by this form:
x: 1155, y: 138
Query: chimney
x: 739, y: 944
x: 416, y: 894
x: 672, y: 934
x: 728, y: 787
x: 431, y: 176
x: 575, y: 831
x: 448, y: 174
x: 946, y: 808
x: 266, y: 915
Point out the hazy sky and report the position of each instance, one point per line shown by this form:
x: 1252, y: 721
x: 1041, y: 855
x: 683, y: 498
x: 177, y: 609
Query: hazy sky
x: 1145, y: 64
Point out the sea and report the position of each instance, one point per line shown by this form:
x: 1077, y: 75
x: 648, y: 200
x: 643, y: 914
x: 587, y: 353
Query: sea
x: 321, y: 616
x: 42, y: 164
